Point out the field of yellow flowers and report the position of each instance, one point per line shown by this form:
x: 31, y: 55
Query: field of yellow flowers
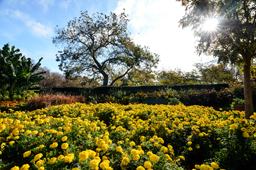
x: 133, y: 137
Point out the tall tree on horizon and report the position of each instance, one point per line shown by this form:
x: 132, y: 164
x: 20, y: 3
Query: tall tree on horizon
x: 100, y: 45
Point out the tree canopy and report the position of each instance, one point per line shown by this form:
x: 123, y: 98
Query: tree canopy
x: 100, y: 45
x: 233, y: 40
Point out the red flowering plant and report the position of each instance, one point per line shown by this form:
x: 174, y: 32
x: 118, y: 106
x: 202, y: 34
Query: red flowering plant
x: 14, y: 105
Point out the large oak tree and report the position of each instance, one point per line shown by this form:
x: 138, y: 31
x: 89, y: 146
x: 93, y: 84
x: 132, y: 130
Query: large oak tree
x: 100, y: 45
x: 233, y: 40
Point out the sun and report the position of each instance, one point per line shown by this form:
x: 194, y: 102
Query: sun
x: 210, y: 24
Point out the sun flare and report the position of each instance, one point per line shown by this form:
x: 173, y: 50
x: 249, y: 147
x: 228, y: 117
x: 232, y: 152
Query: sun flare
x: 210, y: 24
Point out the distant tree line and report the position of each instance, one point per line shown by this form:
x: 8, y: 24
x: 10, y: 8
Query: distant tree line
x: 203, y: 74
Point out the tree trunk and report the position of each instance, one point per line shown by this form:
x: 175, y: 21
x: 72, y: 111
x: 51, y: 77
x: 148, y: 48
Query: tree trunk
x: 247, y: 88
x: 105, y: 78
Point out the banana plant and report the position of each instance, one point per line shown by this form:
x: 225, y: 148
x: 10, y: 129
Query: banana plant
x: 16, y: 71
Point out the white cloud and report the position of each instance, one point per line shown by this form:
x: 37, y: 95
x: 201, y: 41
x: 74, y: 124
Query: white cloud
x: 46, y: 3
x: 154, y: 23
x: 35, y: 27
x: 64, y: 3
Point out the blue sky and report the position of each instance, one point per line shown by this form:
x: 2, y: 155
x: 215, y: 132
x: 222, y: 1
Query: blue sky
x: 29, y: 25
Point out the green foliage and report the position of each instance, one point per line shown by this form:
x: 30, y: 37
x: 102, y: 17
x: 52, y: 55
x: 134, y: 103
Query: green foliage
x: 236, y: 101
x: 16, y: 71
x: 173, y: 101
x: 177, y: 77
x: 215, y: 74
x: 17, y: 95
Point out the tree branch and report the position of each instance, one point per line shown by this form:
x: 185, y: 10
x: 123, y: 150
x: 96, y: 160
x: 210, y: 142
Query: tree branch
x: 120, y: 76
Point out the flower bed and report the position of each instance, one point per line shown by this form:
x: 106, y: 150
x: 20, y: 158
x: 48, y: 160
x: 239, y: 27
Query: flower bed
x: 113, y: 136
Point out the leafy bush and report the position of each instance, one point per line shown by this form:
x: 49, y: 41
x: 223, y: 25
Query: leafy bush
x: 236, y: 101
x: 18, y: 95
x: 173, y: 101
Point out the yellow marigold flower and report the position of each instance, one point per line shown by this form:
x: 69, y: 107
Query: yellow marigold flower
x: 197, y: 166
x: 41, y: 134
x: 168, y: 157
x: 140, y: 168
x: 34, y: 132
x: 141, y: 152
x: 83, y: 156
x: 15, y: 132
x: 156, y: 144
x: 190, y: 149
x: 92, y: 154
x: 136, y: 157
x: 214, y: 165
x: 105, y: 138
x: 201, y: 134
x: 147, y: 164
x: 132, y: 143
x: 134, y: 152
x: 104, y: 164
x: 104, y: 147
x: 41, y: 168
x: 155, y: 137
x: 189, y: 143
x: 182, y: 157
x: 160, y: 140
x: 52, y: 160
x: 2, y: 127
x: 11, y: 142
x: 39, y: 163
x: 245, y: 134
x: 233, y: 127
x: 60, y: 157
x: 197, y: 146
x: 154, y: 158
x: 125, y: 160
x: 54, y: 145
x: 25, y: 167
x: 142, y: 138
x: 64, y: 146
x: 119, y: 142
x: 104, y: 158
x: 69, y: 158
x: 28, y: 132
x: 205, y: 167
x: 119, y: 149
x: 2, y: 145
x: 64, y: 138
x: 38, y: 156
x: 15, y: 168
x: 94, y: 163
x: 75, y: 168
x: 151, y: 140
x: 59, y: 133
x: 26, y: 154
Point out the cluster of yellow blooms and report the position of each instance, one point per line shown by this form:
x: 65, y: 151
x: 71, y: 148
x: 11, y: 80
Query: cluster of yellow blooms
x: 73, y: 136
